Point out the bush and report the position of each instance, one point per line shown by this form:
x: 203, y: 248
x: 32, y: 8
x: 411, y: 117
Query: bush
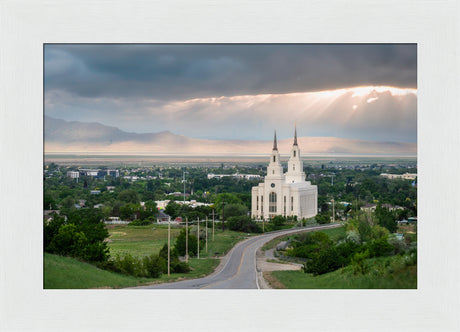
x: 139, y: 222
x: 359, y: 263
x: 180, y: 267
x: 154, y: 266
x: 243, y: 224
x: 130, y: 265
x: 324, y: 261
x: 380, y: 247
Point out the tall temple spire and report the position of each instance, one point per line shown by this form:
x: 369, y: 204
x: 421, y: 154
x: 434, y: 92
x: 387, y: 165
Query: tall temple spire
x: 295, y: 135
x: 275, y: 147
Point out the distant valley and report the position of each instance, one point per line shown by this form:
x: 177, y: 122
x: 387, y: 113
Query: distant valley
x: 73, y: 137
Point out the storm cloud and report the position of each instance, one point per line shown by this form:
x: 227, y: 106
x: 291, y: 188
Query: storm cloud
x: 190, y: 71
x: 237, y: 91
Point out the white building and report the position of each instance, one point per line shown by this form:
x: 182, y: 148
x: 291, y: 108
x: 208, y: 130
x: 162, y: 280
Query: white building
x: 73, y: 174
x: 286, y: 194
x: 405, y: 176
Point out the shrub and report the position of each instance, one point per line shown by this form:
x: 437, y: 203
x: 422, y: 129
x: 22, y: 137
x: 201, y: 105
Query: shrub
x: 154, y: 266
x: 139, y: 222
x: 243, y: 224
x: 353, y: 236
x: 180, y: 267
x: 359, y: 263
x: 398, y: 245
x: 380, y: 247
x: 326, y: 260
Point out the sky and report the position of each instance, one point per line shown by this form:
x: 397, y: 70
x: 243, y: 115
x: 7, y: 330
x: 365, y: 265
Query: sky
x: 237, y: 91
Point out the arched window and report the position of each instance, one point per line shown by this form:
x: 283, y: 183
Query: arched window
x: 274, y: 158
x: 294, y: 153
x: 272, y: 202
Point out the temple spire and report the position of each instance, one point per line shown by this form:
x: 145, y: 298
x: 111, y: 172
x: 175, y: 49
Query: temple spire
x: 295, y: 135
x: 275, y: 147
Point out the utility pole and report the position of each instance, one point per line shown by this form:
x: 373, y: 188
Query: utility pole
x: 213, y: 225
x: 198, y: 238
x: 333, y: 211
x: 186, y: 239
x: 183, y: 180
x: 206, y: 233
x: 223, y: 215
x: 169, y: 245
x: 263, y: 226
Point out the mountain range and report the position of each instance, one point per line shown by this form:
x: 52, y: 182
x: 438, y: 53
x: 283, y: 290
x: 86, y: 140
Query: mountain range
x: 94, y: 138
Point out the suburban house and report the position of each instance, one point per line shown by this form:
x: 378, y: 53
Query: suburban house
x: 369, y: 207
x: 163, y: 217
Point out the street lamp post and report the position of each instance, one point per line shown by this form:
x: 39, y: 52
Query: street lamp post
x: 206, y: 233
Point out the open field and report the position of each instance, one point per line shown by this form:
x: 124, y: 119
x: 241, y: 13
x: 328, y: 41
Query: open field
x: 140, y: 241
x: 402, y: 277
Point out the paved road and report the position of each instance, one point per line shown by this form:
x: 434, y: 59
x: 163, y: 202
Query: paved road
x: 238, y: 269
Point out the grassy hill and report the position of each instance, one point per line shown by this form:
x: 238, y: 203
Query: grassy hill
x: 384, y: 273
x: 68, y: 273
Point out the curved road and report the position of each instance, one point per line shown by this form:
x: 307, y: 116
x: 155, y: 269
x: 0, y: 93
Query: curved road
x: 238, y: 268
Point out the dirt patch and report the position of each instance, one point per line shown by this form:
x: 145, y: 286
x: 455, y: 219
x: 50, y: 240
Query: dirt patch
x: 118, y: 234
x: 272, y: 281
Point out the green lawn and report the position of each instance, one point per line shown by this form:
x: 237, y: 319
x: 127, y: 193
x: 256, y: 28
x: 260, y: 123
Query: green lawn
x: 139, y: 241
x: 394, y: 276
x: 142, y: 241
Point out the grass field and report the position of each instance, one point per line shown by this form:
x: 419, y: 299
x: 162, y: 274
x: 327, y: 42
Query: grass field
x: 394, y: 276
x: 68, y: 273
x: 142, y: 241
x: 139, y: 241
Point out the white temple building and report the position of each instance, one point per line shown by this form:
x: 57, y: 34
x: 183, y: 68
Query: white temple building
x: 286, y: 194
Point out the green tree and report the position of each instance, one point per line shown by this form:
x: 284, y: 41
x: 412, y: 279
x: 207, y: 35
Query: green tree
x: 180, y: 244
x: 243, y: 224
x: 129, y: 196
x: 386, y: 219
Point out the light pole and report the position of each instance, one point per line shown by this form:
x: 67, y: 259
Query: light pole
x: 169, y: 245
x: 223, y: 215
x: 212, y: 225
x: 198, y: 238
x: 333, y: 211
x: 186, y: 239
x: 183, y: 180
x: 206, y: 234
